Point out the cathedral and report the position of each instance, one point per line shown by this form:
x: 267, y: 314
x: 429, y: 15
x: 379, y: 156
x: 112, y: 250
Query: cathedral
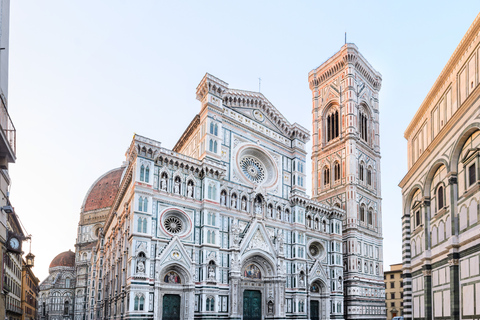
x: 221, y: 226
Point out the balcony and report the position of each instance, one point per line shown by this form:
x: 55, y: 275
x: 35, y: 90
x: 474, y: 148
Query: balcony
x: 8, y: 137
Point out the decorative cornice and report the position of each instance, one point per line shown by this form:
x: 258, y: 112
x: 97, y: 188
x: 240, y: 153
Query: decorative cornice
x: 211, y: 84
x: 348, y: 54
x: 187, y: 133
x: 248, y: 99
x: 447, y: 71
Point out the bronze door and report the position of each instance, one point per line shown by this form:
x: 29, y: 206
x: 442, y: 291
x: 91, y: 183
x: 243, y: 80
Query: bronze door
x: 314, y: 310
x: 252, y: 305
x: 171, y: 307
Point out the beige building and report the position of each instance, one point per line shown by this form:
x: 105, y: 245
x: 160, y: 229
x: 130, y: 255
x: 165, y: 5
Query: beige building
x: 441, y: 193
x: 393, y: 291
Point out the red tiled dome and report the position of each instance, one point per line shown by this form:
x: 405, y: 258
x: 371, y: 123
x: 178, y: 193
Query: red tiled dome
x: 103, y: 191
x: 64, y: 259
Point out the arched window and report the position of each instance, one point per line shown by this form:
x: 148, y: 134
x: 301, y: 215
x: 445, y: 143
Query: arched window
x: 440, y: 198
x: 67, y: 283
x: 213, y: 219
x: 363, y: 126
x: 140, y: 204
x: 142, y: 303
x: 147, y: 174
x: 142, y: 173
x: 309, y: 222
x: 213, y: 237
x: 369, y: 176
x: 332, y: 126
x: 209, y: 236
x: 326, y: 176
x: 287, y: 215
x: 337, y: 171
x: 211, y: 127
x: 279, y: 213
x: 145, y: 225
x: 210, y: 191
x: 216, y: 130
x: 210, y: 304
x: 145, y: 204
x: 211, y: 146
x: 370, y: 217
x: 362, y: 213
x: 215, y: 146
x: 360, y: 172
x: 139, y: 224
x: 66, y: 306
x: 209, y: 218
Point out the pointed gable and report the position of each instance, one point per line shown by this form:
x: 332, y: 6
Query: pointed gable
x: 257, y: 239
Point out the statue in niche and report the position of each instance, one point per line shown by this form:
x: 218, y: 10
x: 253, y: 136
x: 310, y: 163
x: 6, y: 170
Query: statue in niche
x: 244, y: 204
x: 190, y: 189
x: 211, y: 272
x: 177, y: 187
x: 236, y: 230
x: 233, y: 202
x: 223, y: 199
x: 140, y: 267
x: 302, y: 279
x: 270, y: 307
x: 163, y: 183
x: 258, y: 206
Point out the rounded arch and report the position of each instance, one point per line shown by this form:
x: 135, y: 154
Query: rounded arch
x: 457, y: 149
x: 185, y: 275
x: 431, y: 173
x: 265, y: 262
x: 364, y: 106
x: 410, y: 195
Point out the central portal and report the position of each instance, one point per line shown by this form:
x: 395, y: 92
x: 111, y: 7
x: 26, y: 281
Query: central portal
x: 314, y: 310
x: 252, y: 305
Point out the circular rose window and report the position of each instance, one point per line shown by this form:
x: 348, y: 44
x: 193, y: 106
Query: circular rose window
x: 173, y: 224
x: 316, y: 250
x: 256, y: 166
x: 253, y: 169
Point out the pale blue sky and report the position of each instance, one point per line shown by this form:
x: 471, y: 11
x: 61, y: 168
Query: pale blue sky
x: 86, y: 75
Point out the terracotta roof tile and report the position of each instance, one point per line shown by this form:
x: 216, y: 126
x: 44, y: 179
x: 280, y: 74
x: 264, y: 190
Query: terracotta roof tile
x: 64, y: 259
x: 103, y: 193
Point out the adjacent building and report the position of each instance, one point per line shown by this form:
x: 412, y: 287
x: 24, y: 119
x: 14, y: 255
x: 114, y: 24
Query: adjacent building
x: 441, y: 193
x: 346, y: 171
x: 29, y: 291
x: 394, y: 291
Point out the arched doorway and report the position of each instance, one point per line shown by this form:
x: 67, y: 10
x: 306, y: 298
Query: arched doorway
x: 175, y: 293
x: 259, y: 290
x: 318, y: 300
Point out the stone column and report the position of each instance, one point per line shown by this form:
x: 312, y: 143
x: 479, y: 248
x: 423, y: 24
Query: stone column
x: 453, y: 261
x: 427, y: 290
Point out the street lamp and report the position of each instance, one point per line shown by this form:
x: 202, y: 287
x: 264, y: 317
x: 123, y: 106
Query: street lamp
x: 30, y: 258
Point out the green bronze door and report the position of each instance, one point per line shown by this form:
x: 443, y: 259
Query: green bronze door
x: 171, y: 307
x: 252, y: 305
x: 314, y: 310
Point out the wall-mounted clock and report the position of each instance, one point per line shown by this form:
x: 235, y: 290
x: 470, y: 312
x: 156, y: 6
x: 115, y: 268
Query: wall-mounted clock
x: 14, y: 243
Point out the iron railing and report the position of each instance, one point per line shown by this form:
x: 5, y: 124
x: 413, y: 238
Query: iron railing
x: 7, y: 126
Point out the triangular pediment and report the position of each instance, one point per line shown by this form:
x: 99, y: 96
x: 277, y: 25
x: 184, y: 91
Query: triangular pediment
x: 175, y: 252
x: 470, y: 153
x: 257, y: 238
x: 317, y: 271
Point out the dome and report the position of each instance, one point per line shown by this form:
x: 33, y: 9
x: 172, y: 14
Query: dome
x: 103, y: 191
x: 64, y: 259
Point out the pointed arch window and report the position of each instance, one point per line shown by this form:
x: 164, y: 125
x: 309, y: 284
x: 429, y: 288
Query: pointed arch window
x: 66, y: 307
x: 142, y: 173
x: 210, y: 304
x: 326, y: 176
x: 215, y: 146
x: 140, y: 204
x: 211, y: 146
x: 362, y: 213
x: 211, y: 127
x: 139, y: 224
x: 337, y: 171
x: 332, y: 125
x: 147, y: 174
x: 369, y: 176
x: 361, y: 172
x: 440, y: 198
x: 145, y: 225
x: 216, y: 130
x: 145, y: 204
x: 370, y: 217
x: 67, y: 282
x: 363, y: 126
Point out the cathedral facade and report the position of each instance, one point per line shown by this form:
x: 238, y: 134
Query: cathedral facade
x: 221, y: 226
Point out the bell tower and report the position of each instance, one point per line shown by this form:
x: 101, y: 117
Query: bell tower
x: 346, y: 171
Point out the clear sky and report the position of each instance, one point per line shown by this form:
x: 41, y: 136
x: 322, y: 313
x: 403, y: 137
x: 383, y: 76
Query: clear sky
x: 86, y: 75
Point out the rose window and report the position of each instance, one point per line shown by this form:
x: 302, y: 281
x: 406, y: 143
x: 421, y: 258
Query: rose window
x: 252, y: 169
x: 316, y: 250
x: 173, y: 224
